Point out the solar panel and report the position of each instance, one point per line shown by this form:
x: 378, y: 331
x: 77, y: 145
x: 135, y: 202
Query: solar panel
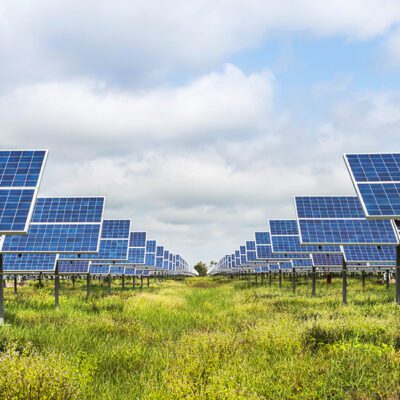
x: 342, y: 222
x: 100, y: 269
x: 285, y: 238
x: 20, y: 176
x: 327, y: 260
x: 369, y: 253
x: 136, y: 255
x: 307, y: 263
x: 117, y: 270
x: 54, y: 238
x: 376, y: 178
x: 73, y: 267
x: 286, y: 265
x: 115, y: 229
x: 137, y: 239
x: 29, y: 262
x: 129, y: 271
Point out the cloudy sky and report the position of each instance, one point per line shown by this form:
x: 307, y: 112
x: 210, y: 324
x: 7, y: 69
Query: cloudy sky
x: 200, y: 119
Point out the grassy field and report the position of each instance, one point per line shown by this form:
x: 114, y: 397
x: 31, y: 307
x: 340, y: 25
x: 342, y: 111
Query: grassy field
x: 202, y: 338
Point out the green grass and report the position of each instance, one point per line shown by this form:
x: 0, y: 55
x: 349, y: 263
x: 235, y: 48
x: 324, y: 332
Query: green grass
x: 201, y: 338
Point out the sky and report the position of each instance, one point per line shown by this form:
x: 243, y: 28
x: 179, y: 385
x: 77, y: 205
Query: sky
x: 199, y: 120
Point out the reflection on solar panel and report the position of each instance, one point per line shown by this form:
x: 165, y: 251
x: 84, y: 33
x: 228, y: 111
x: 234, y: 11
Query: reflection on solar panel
x: 369, y: 253
x: 327, y: 260
x: 73, y: 267
x: 376, y: 178
x: 285, y: 238
x: 29, y: 262
x: 341, y: 223
x: 100, y: 269
x: 20, y: 176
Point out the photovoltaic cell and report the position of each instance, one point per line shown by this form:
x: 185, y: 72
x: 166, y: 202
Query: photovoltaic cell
x: 136, y: 255
x: 376, y: 178
x: 137, y: 239
x: 286, y: 265
x: 283, y: 227
x: 307, y: 263
x: 29, y: 262
x: 100, y: 269
x: 327, y: 260
x: 263, y: 238
x: 20, y: 175
x: 118, y: 270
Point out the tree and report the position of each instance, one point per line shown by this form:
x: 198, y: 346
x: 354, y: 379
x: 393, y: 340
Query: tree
x: 201, y: 268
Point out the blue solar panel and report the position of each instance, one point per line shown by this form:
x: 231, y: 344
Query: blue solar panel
x: 68, y: 210
x: 73, y: 267
x: 65, y: 238
x: 263, y: 238
x: 274, y: 267
x: 29, y: 262
x: 136, y: 255
x: 129, y: 271
x: 160, y: 251
x: 243, y: 259
x: 115, y: 229
x: 159, y: 262
x: 285, y: 244
x: 151, y: 246
x: 346, y: 231
x: 117, y: 270
x: 377, y: 180
x: 286, y: 265
x: 150, y: 260
x: 250, y: 245
x: 137, y: 239
x: 15, y: 208
x: 328, y: 207
x: 242, y: 249
x: 20, y: 175
x: 307, y: 263
x: 327, y: 260
x: 110, y: 250
x: 21, y: 168
x: 251, y: 256
x: 142, y: 272
x: 100, y: 269
x: 283, y: 227
x: 369, y: 253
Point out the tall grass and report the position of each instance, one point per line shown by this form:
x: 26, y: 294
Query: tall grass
x: 201, y: 338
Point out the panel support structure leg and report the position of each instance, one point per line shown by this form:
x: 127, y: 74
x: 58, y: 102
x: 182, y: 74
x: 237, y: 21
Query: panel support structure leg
x: 344, y: 282
x: 387, y: 279
x: 270, y: 278
x: 141, y: 281
x: 133, y: 281
x: 123, y: 281
x: 1, y: 291
x: 15, y: 285
x: 314, y: 282
x: 56, y: 287
x: 363, y: 277
x: 148, y: 281
x: 294, y: 280
x: 262, y: 278
x: 109, y: 284
x: 280, y: 279
x: 398, y: 276
x: 87, y: 286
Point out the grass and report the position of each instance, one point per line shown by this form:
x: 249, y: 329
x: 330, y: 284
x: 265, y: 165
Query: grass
x: 202, y: 338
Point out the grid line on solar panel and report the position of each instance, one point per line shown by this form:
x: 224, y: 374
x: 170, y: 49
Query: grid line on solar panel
x: 68, y: 210
x: 115, y: 229
x: 30, y: 262
x: 322, y: 207
x: 283, y: 227
x: 53, y: 238
x: 73, y: 267
x: 369, y: 253
x: 342, y: 231
x: 21, y: 168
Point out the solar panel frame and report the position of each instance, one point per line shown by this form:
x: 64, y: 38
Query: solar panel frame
x: 29, y: 191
